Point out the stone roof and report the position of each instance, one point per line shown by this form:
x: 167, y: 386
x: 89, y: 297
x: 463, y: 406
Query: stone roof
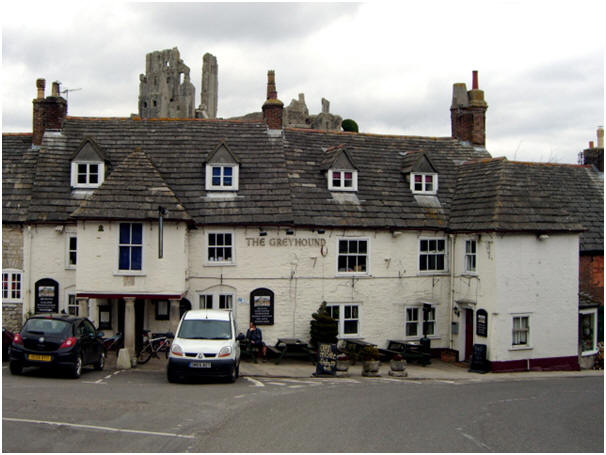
x: 18, y: 164
x: 134, y: 190
x: 283, y: 180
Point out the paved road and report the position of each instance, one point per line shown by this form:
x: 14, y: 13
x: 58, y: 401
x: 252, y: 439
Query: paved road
x: 138, y: 411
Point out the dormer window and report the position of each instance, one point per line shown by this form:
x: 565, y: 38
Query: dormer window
x: 87, y: 166
x: 222, y: 170
x: 423, y: 183
x: 343, y: 180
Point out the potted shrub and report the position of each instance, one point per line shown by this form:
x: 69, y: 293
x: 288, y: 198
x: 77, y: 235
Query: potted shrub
x: 397, y: 366
x: 370, y: 358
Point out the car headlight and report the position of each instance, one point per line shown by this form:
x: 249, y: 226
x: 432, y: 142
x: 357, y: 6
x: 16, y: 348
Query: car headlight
x: 225, y: 351
x: 176, y: 350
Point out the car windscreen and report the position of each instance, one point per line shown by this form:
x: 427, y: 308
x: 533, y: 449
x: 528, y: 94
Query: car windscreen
x: 47, y: 326
x: 205, y: 329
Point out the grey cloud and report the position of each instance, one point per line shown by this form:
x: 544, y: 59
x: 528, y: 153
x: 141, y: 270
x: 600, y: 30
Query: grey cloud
x: 241, y: 21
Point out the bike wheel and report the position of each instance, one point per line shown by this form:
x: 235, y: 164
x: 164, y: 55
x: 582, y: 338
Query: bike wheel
x: 145, y: 354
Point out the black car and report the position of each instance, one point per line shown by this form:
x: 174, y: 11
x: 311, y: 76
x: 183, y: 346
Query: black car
x: 57, y: 341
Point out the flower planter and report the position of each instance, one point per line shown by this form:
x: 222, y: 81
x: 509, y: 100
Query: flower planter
x: 371, y: 368
x: 398, y: 368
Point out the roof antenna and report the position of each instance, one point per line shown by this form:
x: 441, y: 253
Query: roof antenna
x: 67, y: 90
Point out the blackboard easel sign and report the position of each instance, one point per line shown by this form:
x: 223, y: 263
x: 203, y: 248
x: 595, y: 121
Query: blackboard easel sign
x: 327, y: 359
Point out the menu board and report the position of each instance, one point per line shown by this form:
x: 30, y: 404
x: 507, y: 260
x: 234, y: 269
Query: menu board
x: 482, y: 323
x: 47, y: 296
x: 327, y: 359
x: 262, y: 307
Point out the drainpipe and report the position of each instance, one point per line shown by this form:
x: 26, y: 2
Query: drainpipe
x: 452, y: 288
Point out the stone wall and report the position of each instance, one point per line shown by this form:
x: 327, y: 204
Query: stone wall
x: 12, y: 258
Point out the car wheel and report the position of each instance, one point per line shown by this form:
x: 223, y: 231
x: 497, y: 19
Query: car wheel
x: 101, y: 363
x: 15, y: 367
x: 77, y: 368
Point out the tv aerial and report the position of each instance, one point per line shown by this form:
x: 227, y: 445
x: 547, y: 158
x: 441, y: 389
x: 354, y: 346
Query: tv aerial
x: 67, y: 91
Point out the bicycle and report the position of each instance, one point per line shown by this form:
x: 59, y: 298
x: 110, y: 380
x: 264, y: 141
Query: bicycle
x: 113, y: 343
x: 159, y: 342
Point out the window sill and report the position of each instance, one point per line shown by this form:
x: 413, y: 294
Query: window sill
x: 520, y: 348
x: 433, y: 273
x: 589, y: 353
x: 353, y: 275
x: 129, y: 273
x: 220, y: 264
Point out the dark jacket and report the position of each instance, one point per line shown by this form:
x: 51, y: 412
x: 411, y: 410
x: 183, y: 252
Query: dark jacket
x: 255, y: 336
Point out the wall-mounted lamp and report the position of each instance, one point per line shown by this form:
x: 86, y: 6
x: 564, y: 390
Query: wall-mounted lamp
x: 320, y: 231
x: 100, y: 228
x: 456, y: 311
x: 542, y: 237
x: 262, y: 232
x: 395, y: 234
x: 289, y: 232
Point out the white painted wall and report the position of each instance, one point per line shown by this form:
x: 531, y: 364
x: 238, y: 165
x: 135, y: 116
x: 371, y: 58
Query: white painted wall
x: 97, y: 269
x: 539, y: 278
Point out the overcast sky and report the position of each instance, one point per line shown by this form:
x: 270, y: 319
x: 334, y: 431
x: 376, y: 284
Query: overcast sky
x: 389, y: 66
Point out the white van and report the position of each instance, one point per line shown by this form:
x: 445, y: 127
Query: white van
x: 205, y: 345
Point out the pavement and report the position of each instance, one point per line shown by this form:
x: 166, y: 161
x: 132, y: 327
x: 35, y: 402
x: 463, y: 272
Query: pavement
x: 437, y: 370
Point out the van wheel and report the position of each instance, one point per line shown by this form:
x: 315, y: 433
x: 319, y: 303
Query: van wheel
x: 235, y: 372
x: 170, y: 375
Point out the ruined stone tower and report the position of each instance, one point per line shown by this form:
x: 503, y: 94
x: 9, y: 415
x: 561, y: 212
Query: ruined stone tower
x: 210, y: 87
x: 165, y: 90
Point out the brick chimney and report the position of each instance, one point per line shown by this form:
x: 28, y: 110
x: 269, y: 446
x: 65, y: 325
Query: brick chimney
x: 49, y: 112
x: 594, y: 155
x: 273, y: 107
x: 468, y: 113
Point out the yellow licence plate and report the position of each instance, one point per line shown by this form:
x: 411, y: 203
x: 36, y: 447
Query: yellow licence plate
x: 40, y: 358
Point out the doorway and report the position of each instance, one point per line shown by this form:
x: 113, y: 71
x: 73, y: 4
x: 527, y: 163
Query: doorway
x: 468, y: 334
x: 139, y: 321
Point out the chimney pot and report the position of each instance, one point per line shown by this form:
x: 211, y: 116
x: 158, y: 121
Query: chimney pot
x: 40, y: 85
x: 590, y: 144
x: 55, y: 88
x: 601, y: 137
x: 475, y: 84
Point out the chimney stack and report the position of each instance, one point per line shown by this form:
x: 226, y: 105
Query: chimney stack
x: 49, y: 112
x: 273, y: 107
x: 600, y: 137
x: 468, y: 113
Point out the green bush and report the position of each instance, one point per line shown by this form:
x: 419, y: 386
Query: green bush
x: 323, y: 328
x: 349, y: 125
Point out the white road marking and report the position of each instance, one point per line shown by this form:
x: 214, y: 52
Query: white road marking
x: 296, y: 386
x: 276, y: 383
x: 99, y: 428
x: 475, y: 441
x: 254, y: 381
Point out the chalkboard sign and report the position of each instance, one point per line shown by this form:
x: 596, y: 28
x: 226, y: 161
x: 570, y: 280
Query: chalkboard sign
x: 327, y: 359
x: 479, y: 362
x: 482, y: 323
x: 47, y: 296
x: 262, y: 307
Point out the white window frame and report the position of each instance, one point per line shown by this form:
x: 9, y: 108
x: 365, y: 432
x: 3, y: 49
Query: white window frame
x: 131, y: 271
x: 209, y: 261
x: 367, y: 255
x: 69, y: 305
x: 341, y: 319
x: 471, y: 257
x: 215, y: 299
x: 341, y: 186
x: 434, y: 253
x: 222, y: 187
x: 87, y: 184
x: 521, y: 346
x: 419, y: 321
x: 10, y: 295
x: 594, y: 313
x: 68, y: 250
x: 424, y: 183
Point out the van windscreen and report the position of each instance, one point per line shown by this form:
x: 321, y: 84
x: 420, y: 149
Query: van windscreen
x: 205, y: 329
